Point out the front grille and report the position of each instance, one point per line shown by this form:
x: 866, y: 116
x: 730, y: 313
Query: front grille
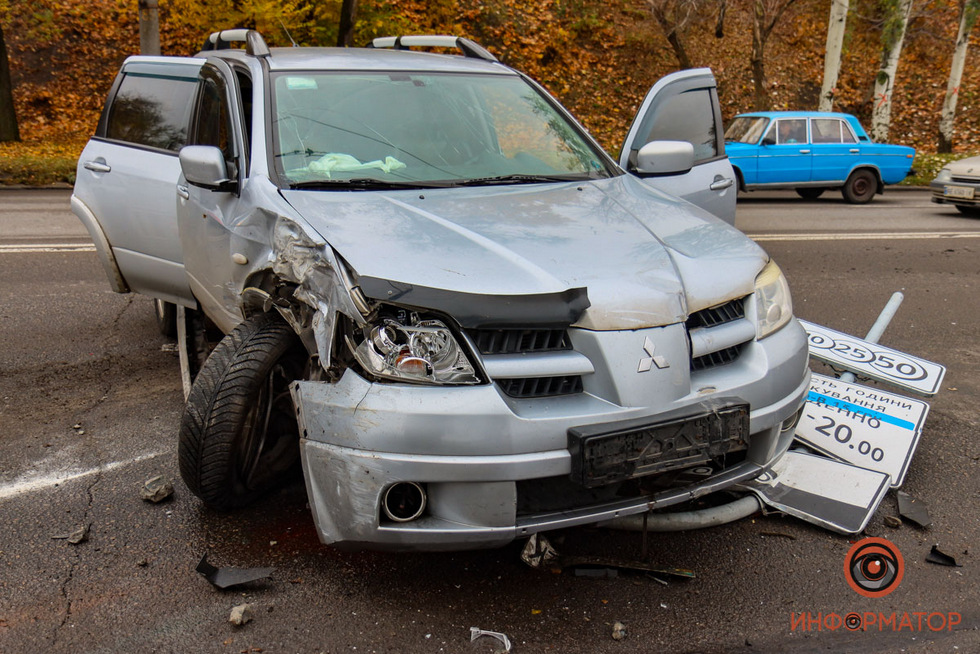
x: 715, y: 359
x: 519, y: 341
x: 719, y: 315
x: 713, y: 317
x: 966, y: 180
x: 541, y: 386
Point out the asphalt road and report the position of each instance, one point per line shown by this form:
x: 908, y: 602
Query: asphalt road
x: 90, y: 400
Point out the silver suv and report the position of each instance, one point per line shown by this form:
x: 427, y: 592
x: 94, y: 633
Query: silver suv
x: 441, y: 298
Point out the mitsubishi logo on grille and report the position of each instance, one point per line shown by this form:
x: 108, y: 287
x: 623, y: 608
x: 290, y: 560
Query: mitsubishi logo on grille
x: 651, y: 360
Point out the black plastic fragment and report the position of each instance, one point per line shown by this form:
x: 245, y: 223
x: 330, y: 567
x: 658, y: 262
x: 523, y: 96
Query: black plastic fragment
x: 913, y: 509
x: 941, y: 558
x: 229, y: 577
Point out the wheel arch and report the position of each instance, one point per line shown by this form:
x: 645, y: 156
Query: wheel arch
x: 880, y: 185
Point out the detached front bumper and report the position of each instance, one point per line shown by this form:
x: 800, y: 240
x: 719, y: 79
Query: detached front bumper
x: 474, y: 449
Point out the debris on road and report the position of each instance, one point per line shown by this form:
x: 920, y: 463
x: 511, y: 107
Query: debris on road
x: 229, y: 577
x: 913, y: 509
x: 584, y: 566
x: 893, y: 522
x: 476, y: 632
x: 619, y: 631
x: 80, y: 535
x: 538, y: 551
x: 240, y: 615
x: 156, y: 489
x: 941, y: 558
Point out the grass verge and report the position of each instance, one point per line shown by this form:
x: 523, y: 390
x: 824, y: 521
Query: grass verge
x: 927, y: 166
x: 39, y: 163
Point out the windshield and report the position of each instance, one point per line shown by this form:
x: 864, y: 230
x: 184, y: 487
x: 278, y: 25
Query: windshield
x: 368, y: 130
x: 746, y: 129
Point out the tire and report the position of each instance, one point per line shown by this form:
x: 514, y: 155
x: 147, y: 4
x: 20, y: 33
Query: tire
x: 809, y: 192
x: 166, y: 317
x: 860, y: 187
x: 969, y: 210
x: 238, y: 435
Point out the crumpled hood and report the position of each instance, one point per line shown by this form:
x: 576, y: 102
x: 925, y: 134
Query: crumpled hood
x: 643, y: 257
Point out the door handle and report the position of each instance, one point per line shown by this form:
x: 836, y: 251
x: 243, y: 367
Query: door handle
x: 854, y: 150
x: 97, y: 166
x: 183, y: 192
x: 721, y: 184
x: 804, y: 152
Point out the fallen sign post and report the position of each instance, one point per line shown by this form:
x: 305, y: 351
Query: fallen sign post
x: 867, y: 358
x: 863, y: 426
x: 869, y: 434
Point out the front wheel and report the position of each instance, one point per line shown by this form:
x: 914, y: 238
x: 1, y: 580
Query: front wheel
x: 238, y: 436
x: 969, y: 210
x: 860, y: 187
x: 809, y: 193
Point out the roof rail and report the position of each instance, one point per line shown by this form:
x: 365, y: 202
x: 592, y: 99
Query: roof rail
x: 468, y: 48
x: 254, y: 43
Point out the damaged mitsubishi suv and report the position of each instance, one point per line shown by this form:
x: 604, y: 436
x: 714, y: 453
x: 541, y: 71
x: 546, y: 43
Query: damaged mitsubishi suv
x: 440, y: 298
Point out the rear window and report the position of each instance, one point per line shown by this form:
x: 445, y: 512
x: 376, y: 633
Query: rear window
x: 151, y: 111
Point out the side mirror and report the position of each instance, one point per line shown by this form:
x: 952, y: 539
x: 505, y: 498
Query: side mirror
x: 204, y: 166
x: 665, y: 158
x: 769, y: 140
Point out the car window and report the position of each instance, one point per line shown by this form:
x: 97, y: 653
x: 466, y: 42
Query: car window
x: 687, y: 116
x: 151, y: 111
x: 213, y: 125
x: 746, y: 129
x: 787, y: 131
x: 422, y: 127
x: 827, y: 130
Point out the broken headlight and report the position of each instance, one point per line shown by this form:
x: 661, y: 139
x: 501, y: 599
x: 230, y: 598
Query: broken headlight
x: 773, y: 304
x: 945, y: 175
x: 406, y: 346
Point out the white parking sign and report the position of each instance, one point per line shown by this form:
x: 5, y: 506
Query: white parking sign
x: 873, y: 360
x: 864, y: 426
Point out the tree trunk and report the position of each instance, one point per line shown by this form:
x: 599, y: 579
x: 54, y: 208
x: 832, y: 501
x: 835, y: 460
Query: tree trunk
x: 969, y: 11
x: 892, y: 36
x: 757, y: 59
x: 831, y: 63
x: 673, y: 38
x: 348, y: 12
x: 149, y: 14
x: 8, y: 118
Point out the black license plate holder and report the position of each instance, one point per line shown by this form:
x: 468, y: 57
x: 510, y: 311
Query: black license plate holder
x: 606, y: 454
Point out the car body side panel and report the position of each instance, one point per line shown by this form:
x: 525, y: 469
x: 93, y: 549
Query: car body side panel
x: 710, y: 184
x: 133, y: 203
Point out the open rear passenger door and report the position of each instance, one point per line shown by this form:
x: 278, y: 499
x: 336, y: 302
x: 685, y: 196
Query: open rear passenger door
x: 684, y: 106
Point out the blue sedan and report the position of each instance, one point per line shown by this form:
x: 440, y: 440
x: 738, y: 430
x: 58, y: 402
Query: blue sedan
x: 813, y: 152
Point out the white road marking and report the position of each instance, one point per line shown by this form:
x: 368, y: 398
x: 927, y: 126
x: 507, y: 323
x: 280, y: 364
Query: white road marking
x: 43, y: 481
x: 863, y: 236
x: 28, y: 248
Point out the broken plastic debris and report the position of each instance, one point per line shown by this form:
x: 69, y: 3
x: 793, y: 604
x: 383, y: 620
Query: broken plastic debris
x: 913, y: 509
x: 941, y: 558
x: 619, y: 631
x: 479, y: 633
x: 605, y: 566
x: 228, y: 577
x: 156, y: 489
x: 538, y: 551
x: 240, y: 615
x: 80, y: 535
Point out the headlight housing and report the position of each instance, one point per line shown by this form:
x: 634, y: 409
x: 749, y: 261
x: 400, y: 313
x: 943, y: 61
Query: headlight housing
x: 773, y: 304
x: 945, y: 175
x: 408, y: 346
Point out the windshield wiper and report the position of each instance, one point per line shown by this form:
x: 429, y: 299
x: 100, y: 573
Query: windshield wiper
x: 522, y: 179
x: 364, y: 183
